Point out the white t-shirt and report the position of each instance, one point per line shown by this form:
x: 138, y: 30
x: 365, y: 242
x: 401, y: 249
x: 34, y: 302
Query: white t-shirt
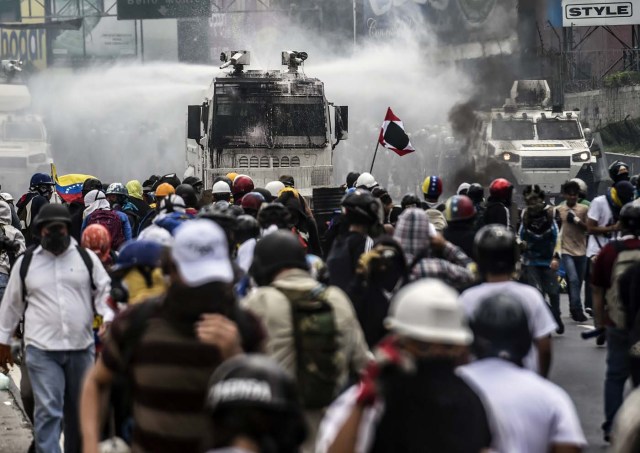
x: 528, y: 413
x: 245, y: 254
x: 601, y: 213
x: 336, y: 416
x: 541, y: 322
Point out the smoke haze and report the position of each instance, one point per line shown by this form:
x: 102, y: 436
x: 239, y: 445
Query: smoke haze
x: 128, y: 120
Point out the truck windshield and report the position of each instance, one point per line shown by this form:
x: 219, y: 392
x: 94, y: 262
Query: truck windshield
x: 512, y: 130
x: 558, y: 130
x: 269, y: 121
x: 23, y: 130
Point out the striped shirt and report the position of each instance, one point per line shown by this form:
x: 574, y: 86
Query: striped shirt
x: 170, y: 373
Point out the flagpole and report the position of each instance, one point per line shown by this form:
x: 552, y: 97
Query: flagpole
x: 374, y: 157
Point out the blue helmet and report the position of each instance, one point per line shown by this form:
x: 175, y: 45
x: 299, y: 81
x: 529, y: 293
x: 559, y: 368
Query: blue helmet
x: 138, y: 253
x: 41, y: 179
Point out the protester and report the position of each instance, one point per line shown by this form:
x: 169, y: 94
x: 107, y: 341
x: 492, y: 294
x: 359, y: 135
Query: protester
x: 98, y: 210
x: 29, y: 204
x: 496, y: 254
x: 312, y: 330
x: 428, y: 254
x: 64, y: 286
x: 529, y: 413
x: 170, y: 347
x: 573, y: 216
x: 410, y: 398
x: 253, y: 408
x: 12, y: 244
x: 610, y: 313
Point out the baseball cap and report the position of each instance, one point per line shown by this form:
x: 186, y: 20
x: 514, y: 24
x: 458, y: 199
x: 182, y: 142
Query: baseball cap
x: 201, y: 253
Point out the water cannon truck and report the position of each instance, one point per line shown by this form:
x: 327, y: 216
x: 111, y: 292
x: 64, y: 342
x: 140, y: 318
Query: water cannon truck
x: 265, y: 123
x: 24, y: 149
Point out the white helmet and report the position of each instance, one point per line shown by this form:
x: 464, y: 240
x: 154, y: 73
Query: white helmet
x: 6, y: 196
x: 274, y: 187
x: 366, y: 180
x: 221, y: 187
x: 582, y: 184
x: 428, y: 311
x: 462, y: 187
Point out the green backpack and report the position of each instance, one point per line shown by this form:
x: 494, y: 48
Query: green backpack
x: 316, y: 345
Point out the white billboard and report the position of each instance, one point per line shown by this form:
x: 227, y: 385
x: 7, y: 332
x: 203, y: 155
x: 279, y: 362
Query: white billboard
x: 586, y: 13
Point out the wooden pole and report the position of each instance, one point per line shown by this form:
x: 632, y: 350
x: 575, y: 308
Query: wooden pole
x: 374, y: 157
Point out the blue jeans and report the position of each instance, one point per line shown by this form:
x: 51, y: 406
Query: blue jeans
x: 56, y: 379
x: 617, y: 373
x: 4, y: 279
x: 575, y: 267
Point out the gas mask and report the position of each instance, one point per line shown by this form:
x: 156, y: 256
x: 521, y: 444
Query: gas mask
x: 56, y: 240
x: 45, y: 191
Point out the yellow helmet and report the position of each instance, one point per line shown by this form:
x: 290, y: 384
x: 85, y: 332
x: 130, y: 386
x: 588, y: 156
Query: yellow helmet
x: 232, y: 176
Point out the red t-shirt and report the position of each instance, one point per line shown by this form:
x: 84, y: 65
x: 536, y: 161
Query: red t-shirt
x: 601, y: 272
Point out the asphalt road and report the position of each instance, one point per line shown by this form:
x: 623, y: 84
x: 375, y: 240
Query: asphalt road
x: 578, y: 367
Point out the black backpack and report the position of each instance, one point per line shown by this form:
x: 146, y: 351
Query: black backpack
x: 315, y: 336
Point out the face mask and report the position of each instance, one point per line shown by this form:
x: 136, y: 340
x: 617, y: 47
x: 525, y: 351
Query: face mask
x: 55, y: 241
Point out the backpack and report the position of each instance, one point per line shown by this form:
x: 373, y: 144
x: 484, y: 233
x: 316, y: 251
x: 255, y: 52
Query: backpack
x: 315, y: 336
x: 625, y: 260
x: 24, y: 214
x: 111, y: 221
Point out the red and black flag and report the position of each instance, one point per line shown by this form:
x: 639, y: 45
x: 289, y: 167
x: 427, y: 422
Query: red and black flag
x: 393, y: 136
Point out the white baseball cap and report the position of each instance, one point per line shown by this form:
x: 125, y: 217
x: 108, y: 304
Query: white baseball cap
x: 428, y: 310
x: 201, y: 253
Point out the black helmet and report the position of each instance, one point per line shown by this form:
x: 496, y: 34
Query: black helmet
x: 410, y: 201
x: 251, y: 395
x: 171, y: 179
x: 276, y: 251
x: 247, y: 228
x: 630, y: 218
x: 495, y: 249
x: 274, y: 214
x: 476, y: 193
x: 194, y: 182
x: 52, y: 213
x: 188, y: 194
x: 501, y: 329
x: 352, y: 177
x: 625, y: 190
x: 90, y: 184
x: 361, y: 208
x: 619, y: 171
x: 221, y: 213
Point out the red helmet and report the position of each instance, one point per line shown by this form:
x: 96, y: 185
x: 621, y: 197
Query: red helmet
x: 500, y: 188
x: 459, y: 207
x: 252, y: 201
x: 242, y: 184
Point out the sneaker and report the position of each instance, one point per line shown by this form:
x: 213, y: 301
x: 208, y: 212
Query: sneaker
x: 579, y: 316
x: 589, y: 311
x: 560, y: 328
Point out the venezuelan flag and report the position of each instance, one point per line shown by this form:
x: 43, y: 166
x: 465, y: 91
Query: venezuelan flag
x: 69, y: 187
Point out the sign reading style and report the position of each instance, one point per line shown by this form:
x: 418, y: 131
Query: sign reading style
x: 578, y: 13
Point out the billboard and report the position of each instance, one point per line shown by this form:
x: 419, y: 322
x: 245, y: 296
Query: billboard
x: 28, y: 45
x: 99, y: 38
x: 587, y: 13
x: 453, y: 21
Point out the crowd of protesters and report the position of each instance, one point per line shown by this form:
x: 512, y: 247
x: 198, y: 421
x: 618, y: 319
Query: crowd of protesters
x: 162, y: 317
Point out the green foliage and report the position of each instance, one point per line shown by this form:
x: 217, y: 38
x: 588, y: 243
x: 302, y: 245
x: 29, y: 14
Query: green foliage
x: 622, y: 79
